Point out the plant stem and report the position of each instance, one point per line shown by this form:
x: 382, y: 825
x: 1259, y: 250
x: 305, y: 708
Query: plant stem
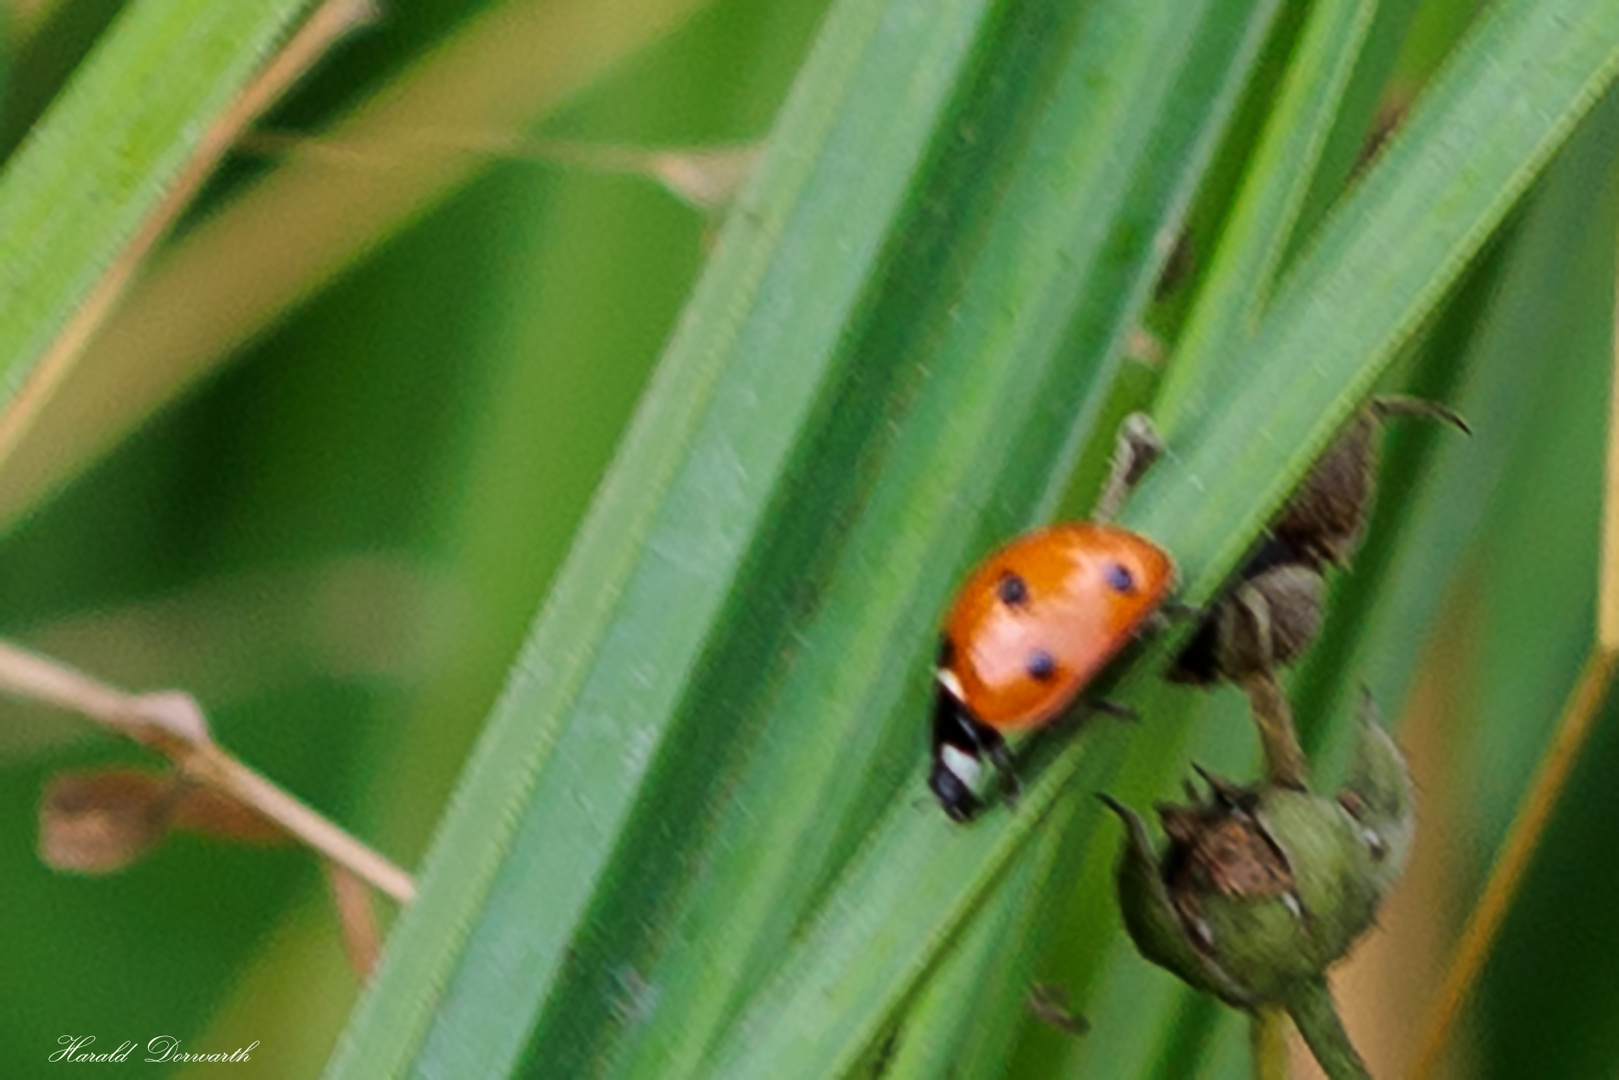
x: 1267, y: 1035
x: 1284, y: 757
x: 1316, y: 1016
x: 173, y: 724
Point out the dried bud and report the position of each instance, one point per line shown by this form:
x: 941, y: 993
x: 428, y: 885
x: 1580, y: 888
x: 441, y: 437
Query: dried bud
x: 1261, y: 890
x: 1325, y: 519
x: 1273, y: 612
x: 1264, y: 623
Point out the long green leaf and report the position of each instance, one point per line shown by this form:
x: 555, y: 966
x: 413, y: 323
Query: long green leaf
x: 104, y: 157
x: 1471, y: 147
x: 859, y: 380
x: 1500, y: 109
x: 798, y: 783
x: 630, y: 618
x: 1382, y: 614
x: 1238, y: 283
x: 305, y: 225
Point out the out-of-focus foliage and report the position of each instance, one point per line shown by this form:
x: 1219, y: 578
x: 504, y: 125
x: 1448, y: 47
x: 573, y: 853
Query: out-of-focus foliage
x: 338, y: 540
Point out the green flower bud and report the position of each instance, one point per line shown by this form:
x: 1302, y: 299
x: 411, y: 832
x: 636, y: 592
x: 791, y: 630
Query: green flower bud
x: 1262, y: 889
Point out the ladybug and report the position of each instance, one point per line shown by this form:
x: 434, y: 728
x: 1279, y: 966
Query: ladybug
x: 1032, y: 626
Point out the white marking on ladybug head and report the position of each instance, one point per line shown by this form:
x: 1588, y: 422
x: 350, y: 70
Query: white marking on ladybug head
x: 962, y: 765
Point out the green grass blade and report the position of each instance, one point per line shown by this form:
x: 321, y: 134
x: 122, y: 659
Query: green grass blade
x: 698, y: 468
x: 1508, y: 693
x: 967, y: 1015
x: 792, y: 351
x: 284, y: 240
x: 797, y: 785
x: 1238, y: 282
x: 1548, y: 502
x: 1499, y: 110
x: 105, y: 156
x: 1487, y: 354
x: 1359, y: 118
x: 1382, y: 613
x: 1472, y: 145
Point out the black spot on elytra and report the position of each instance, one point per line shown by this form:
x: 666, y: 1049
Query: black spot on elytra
x: 1042, y: 665
x: 1012, y: 589
x: 1119, y: 578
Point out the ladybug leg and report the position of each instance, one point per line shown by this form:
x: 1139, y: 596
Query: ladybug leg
x: 1116, y: 709
x: 1180, y: 611
x: 999, y: 756
x: 1049, y: 1003
x: 1138, y: 447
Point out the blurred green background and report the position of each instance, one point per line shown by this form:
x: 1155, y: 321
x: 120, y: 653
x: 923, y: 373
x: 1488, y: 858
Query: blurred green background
x: 338, y: 538
x: 338, y: 541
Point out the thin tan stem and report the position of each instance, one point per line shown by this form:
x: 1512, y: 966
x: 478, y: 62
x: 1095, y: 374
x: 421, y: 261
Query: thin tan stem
x: 173, y: 724
x: 362, y: 938
x: 1608, y: 575
x: 1285, y: 763
x: 703, y: 177
x: 1516, y: 854
x: 289, y: 235
x: 1137, y: 448
x: 400, y: 147
x: 330, y: 21
x: 214, y: 766
x: 1579, y: 716
x: 35, y: 677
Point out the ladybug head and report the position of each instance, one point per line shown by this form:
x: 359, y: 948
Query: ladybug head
x: 953, y: 793
x: 958, y: 756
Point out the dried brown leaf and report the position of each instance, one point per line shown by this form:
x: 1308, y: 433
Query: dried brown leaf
x: 213, y: 814
x: 100, y: 822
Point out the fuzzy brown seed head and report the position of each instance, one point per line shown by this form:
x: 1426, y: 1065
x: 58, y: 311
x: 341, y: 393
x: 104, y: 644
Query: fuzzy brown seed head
x: 1272, y: 614
x: 1217, y: 849
x: 1226, y: 853
x: 1325, y: 520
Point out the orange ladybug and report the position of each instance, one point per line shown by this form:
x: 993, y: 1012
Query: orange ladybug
x: 1033, y: 625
